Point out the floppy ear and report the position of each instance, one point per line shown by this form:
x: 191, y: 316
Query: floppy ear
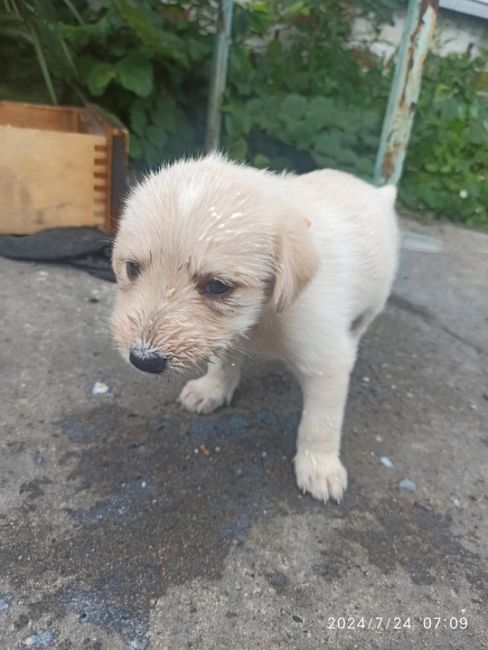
x: 296, y: 262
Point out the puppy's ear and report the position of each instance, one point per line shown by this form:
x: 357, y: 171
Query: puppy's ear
x: 296, y: 262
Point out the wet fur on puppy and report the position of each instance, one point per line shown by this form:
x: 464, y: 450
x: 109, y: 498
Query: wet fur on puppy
x: 216, y: 261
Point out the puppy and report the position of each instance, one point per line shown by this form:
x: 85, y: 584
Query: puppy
x: 216, y: 261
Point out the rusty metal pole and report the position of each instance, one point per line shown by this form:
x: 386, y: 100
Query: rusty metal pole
x: 417, y: 36
x: 219, y: 74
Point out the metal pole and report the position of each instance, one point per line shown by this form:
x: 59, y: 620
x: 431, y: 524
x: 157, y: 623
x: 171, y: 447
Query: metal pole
x: 417, y: 36
x: 219, y: 73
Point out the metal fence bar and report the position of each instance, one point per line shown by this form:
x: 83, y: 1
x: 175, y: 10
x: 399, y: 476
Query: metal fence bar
x: 219, y: 74
x: 405, y: 88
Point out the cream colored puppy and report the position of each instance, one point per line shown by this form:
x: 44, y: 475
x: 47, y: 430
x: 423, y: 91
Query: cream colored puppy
x: 215, y: 261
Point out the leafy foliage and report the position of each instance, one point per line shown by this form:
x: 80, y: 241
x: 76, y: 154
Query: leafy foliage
x: 298, y: 95
x: 446, y: 170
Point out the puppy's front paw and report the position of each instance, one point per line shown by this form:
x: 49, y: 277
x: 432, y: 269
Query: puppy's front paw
x: 204, y: 395
x: 321, y: 474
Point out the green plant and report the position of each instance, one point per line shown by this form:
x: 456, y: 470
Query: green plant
x: 34, y: 25
x: 305, y: 101
x: 148, y: 63
x: 446, y: 169
x: 298, y: 95
x: 304, y: 98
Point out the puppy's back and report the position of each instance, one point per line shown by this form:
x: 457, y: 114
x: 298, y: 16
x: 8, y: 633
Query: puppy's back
x: 361, y: 221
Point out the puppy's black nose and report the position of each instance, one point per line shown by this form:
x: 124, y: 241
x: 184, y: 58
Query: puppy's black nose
x: 148, y: 361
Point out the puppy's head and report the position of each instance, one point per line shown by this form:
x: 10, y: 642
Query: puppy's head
x: 203, y: 248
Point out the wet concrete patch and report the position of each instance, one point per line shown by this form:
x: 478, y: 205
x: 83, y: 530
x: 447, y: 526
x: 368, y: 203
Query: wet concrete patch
x: 34, y: 489
x: 411, y: 536
x: 40, y: 639
x: 78, y: 430
x: 159, y: 513
x: 278, y: 580
x: 5, y: 601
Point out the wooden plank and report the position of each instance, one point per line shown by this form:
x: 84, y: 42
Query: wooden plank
x: 117, y: 160
x: 58, y: 168
x: 51, y: 118
x: 47, y: 179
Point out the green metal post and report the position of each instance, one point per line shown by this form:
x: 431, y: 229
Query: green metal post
x: 219, y: 73
x: 417, y: 36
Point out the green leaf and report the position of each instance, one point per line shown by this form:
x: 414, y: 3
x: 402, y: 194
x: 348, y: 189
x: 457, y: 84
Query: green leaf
x: 237, y: 149
x: 238, y: 121
x: 138, y: 116
x: 295, y: 9
x: 167, y: 114
x: 74, y: 11
x: 157, y: 136
x: 260, y: 161
x: 81, y: 35
x: 146, y: 23
x: 44, y: 66
x: 99, y: 76
x: 135, y: 73
x: 275, y: 49
x: 135, y: 148
x: 294, y: 107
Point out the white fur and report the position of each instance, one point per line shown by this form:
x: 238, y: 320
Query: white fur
x: 310, y: 255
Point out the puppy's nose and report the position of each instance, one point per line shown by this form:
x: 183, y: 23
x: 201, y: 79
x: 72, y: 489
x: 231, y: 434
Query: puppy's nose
x: 148, y: 361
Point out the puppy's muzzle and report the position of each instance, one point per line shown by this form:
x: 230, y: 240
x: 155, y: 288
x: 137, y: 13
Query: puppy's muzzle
x: 153, y: 362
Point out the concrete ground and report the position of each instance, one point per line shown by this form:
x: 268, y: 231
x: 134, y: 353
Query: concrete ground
x: 126, y: 523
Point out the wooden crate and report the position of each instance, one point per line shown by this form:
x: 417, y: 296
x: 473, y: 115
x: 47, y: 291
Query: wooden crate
x: 60, y: 166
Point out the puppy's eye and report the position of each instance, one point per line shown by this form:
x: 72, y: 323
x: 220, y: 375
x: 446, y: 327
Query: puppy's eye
x: 217, y: 288
x: 133, y: 270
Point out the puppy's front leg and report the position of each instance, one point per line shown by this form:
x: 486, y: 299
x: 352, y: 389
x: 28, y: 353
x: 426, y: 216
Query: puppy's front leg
x: 208, y: 393
x: 317, y: 465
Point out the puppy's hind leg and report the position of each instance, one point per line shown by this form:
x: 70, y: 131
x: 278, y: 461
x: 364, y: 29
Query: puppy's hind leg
x: 213, y: 390
x: 317, y: 465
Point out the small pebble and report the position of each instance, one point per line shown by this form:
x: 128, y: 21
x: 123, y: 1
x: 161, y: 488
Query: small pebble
x: 366, y: 380
x: 40, y: 639
x: 263, y: 455
x: 143, y: 484
x: 407, y: 484
x: 99, y: 388
x: 5, y: 600
x: 455, y: 500
x: 384, y: 460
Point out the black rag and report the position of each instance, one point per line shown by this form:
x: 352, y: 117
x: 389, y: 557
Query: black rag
x: 84, y: 248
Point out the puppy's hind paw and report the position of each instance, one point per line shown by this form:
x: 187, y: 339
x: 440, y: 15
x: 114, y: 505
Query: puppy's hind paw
x: 204, y: 395
x: 321, y: 474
